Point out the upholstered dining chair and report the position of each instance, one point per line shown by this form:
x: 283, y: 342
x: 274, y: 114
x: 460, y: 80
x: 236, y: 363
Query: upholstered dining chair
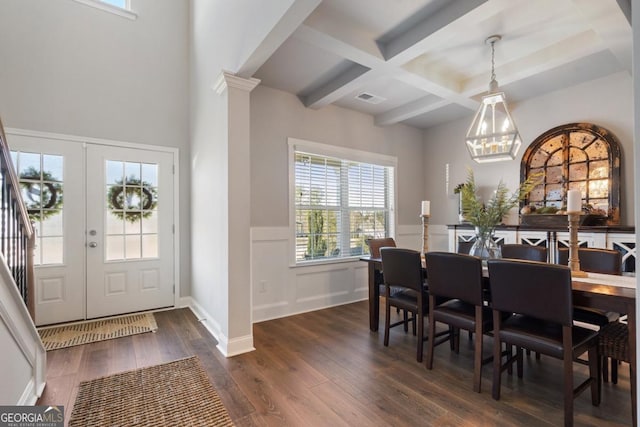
x: 526, y: 288
x: 526, y: 252
x: 457, y: 280
x: 374, y: 252
x: 595, y: 260
x: 403, y: 271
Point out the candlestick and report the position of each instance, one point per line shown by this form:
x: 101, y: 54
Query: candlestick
x: 574, y: 260
x: 425, y: 233
x: 426, y: 207
x: 574, y: 201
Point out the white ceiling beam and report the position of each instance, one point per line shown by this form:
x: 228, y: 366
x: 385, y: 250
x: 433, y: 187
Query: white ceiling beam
x: 410, y: 110
x: 293, y: 17
x: 609, y: 19
x: 454, y: 19
x: 360, y: 53
x: 372, y: 60
x: 564, y: 52
x: 355, y: 76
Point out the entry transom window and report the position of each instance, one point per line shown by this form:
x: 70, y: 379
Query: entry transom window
x: 340, y: 198
x: 117, y: 7
x: 132, y: 215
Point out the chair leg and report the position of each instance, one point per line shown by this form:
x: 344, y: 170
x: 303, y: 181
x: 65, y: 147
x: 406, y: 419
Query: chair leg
x: 568, y: 388
x: 432, y: 336
x: 519, y: 361
x: 614, y: 371
x: 387, y: 322
x: 477, y: 355
x: 594, y: 374
x: 497, y: 367
x: 419, y: 317
x: 605, y: 369
x: 405, y: 317
x: 456, y: 342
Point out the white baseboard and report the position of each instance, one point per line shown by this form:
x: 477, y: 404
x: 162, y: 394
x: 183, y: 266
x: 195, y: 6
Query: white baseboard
x: 228, y: 348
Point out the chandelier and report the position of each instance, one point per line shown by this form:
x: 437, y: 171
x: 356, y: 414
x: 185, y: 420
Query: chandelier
x: 493, y: 136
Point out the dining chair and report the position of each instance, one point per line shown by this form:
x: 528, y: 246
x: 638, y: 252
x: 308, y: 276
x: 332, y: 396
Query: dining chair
x: 526, y: 252
x: 374, y: 252
x: 594, y: 260
x: 456, y: 280
x: 403, y: 270
x: 540, y: 297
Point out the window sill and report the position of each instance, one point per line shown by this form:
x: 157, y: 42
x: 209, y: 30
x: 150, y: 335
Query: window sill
x: 317, y: 262
x: 109, y: 8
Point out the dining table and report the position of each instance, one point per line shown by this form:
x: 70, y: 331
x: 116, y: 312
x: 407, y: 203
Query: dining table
x: 601, y: 291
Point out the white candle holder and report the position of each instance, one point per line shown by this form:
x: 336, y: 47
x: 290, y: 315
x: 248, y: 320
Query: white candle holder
x: 425, y: 233
x: 574, y: 260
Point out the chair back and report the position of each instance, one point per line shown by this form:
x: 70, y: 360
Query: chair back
x: 402, y: 268
x: 376, y: 244
x: 532, y: 288
x: 526, y: 252
x: 595, y: 260
x: 455, y: 276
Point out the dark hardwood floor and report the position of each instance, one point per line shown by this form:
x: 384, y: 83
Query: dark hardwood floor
x: 326, y: 368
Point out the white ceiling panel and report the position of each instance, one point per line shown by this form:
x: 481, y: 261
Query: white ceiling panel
x: 428, y: 60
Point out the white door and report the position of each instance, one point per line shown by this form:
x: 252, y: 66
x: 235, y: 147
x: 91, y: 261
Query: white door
x: 104, y: 222
x: 129, y: 230
x: 51, y: 174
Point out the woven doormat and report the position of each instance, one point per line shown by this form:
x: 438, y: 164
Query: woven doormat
x: 173, y: 394
x: 97, y: 330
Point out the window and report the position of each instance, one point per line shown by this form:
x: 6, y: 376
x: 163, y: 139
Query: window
x: 117, y: 7
x: 132, y: 211
x: 339, y: 199
x: 42, y: 185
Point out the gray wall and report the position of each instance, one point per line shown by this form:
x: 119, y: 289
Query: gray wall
x: 72, y: 69
x: 277, y: 115
x: 606, y: 102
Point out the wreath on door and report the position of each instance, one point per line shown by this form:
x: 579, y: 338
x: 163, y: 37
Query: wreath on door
x: 121, y: 199
x: 41, y: 194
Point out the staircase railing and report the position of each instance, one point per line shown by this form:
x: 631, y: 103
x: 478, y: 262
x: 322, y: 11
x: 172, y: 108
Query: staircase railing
x: 17, y: 236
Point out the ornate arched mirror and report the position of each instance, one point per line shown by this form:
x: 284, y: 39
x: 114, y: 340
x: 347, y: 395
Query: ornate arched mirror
x: 579, y: 156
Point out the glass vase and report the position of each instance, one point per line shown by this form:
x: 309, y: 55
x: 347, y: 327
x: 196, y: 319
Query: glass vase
x: 485, y: 246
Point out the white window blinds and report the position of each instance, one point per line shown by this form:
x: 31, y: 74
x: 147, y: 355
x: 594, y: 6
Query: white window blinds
x: 339, y: 204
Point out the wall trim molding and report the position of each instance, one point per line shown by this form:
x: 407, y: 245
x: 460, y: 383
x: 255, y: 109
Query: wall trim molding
x: 226, y: 79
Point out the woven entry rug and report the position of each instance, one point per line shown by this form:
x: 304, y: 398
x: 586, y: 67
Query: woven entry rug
x: 173, y: 394
x: 97, y: 330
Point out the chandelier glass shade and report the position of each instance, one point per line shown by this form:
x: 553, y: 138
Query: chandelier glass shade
x: 493, y: 136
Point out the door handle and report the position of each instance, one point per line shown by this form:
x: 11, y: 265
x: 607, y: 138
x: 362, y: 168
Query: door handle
x: 93, y: 244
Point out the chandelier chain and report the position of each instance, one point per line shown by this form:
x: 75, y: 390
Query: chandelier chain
x: 493, y: 61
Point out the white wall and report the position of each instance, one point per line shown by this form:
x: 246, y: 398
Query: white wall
x: 23, y: 359
x: 224, y: 36
x: 606, y: 102
x: 72, y: 69
x: 279, y: 290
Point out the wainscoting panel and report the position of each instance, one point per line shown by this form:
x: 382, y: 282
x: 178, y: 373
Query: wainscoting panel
x: 279, y: 290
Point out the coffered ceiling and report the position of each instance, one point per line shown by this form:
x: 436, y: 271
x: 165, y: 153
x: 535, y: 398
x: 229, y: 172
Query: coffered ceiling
x: 424, y: 62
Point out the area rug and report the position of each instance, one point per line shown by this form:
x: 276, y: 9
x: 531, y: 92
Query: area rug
x: 173, y: 394
x: 97, y: 330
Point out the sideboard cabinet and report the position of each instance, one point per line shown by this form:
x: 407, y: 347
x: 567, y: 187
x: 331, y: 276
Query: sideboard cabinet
x: 620, y: 238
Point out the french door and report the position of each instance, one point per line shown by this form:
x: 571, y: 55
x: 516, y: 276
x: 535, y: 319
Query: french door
x: 104, y: 224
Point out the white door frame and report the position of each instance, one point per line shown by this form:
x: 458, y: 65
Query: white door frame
x: 112, y: 143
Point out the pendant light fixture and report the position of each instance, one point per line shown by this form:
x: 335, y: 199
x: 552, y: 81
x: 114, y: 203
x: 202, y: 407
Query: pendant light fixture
x: 493, y: 136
